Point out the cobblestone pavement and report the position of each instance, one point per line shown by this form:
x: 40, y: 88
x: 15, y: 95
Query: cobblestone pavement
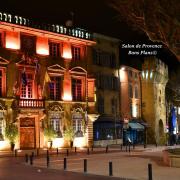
x: 126, y: 165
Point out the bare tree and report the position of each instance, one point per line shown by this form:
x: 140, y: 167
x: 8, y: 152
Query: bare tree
x: 159, y: 19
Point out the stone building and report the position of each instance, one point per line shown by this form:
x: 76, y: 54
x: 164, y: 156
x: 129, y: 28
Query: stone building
x: 154, y: 79
x: 44, y: 82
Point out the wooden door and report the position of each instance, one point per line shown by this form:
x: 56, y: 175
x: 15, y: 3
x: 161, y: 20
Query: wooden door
x: 27, y: 133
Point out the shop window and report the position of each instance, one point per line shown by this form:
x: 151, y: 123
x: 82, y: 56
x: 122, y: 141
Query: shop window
x: 77, y: 89
x: 54, y: 49
x: 76, y: 53
x: 55, y: 88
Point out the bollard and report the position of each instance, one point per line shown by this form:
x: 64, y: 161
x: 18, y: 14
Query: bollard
x: 75, y: 149
x: 67, y: 152
x: 133, y: 145
x: 92, y: 147
x: 110, y: 169
x: 129, y: 147
x: 31, y: 160
x: 126, y: 147
x: 26, y: 158
x: 149, y: 171
x: 37, y: 151
x: 85, y: 165
x: 88, y: 151
x: 57, y: 151
x: 32, y: 154
x: 121, y: 147
x: 47, y: 153
x: 107, y: 149
x: 47, y: 158
x: 65, y: 164
x: 15, y: 152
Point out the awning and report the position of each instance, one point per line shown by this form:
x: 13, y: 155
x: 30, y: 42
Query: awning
x: 136, y: 126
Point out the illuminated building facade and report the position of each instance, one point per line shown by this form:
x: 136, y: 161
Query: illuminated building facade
x: 45, y: 81
x: 105, y: 65
x: 154, y: 79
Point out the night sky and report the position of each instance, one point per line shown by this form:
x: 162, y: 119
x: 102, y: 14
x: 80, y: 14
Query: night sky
x: 93, y: 15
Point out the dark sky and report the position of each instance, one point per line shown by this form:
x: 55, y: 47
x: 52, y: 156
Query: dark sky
x: 93, y: 15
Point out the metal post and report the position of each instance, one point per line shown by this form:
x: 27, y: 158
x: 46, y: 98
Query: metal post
x: 32, y: 154
x: 47, y: 153
x: 92, y: 148
x: 126, y: 146
x: 121, y: 147
x: 47, y: 158
x: 57, y: 151
x: 15, y: 152
x: 149, y: 171
x: 107, y: 149
x: 65, y: 164
x: 110, y: 169
x: 67, y: 152
x: 31, y: 160
x: 88, y: 151
x: 85, y: 165
x: 26, y: 158
x: 75, y: 149
x: 37, y: 152
x: 129, y: 147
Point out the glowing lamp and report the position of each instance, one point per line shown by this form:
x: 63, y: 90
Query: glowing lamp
x: 12, y: 40
x: 42, y: 46
x: 134, y: 110
x: 79, y: 142
x: 67, y: 54
x: 67, y: 97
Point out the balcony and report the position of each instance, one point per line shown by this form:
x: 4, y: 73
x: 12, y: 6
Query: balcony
x: 31, y: 103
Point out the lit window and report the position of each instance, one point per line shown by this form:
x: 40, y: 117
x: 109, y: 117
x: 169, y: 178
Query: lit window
x: 55, y: 125
x: 77, y: 124
x: 54, y: 49
x: 76, y: 53
x: 136, y: 92
x: 1, y: 40
x: 143, y: 74
x: 1, y: 83
x: 151, y: 74
x: 146, y: 74
x: 55, y: 88
x: 77, y: 89
x: 27, y: 88
x: 1, y: 126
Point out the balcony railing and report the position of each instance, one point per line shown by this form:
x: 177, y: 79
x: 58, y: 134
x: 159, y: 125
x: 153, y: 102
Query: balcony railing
x: 31, y: 103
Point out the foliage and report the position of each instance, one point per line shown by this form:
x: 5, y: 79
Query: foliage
x: 69, y: 134
x: 11, y: 132
x: 50, y: 133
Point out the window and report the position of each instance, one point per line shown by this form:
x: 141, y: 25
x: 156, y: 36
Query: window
x: 130, y: 74
x: 1, y: 84
x: 136, y: 92
x: 27, y: 85
x: 1, y: 126
x: 100, y: 105
x: 113, y: 105
x: 55, y: 88
x: 130, y: 91
x: 28, y: 44
x: 76, y: 53
x: 1, y: 41
x: 55, y: 124
x: 77, y: 124
x: 77, y: 89
x: 54, y: 49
